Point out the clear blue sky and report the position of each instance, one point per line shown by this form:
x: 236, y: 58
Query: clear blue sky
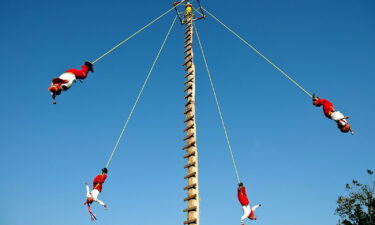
x: 291, y: 158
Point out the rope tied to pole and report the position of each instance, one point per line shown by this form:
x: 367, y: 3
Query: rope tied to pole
x: 218, y: 106
x: 140, y: 93
x: 260, y: 54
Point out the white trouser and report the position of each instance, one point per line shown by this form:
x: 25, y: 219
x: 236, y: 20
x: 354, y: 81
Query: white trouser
x: 247, y: 210
x: 71, y: 78
x: 94, y: 194
x: 339, y: 118
x: 337, y: 115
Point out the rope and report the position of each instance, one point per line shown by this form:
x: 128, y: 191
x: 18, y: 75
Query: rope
x: 140, y: 93
x: 260, y: 54
x: 137, y: 32
x: 218, y: 106
x: 198, y: 12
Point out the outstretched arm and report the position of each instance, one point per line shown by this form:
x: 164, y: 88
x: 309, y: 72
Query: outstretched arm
x: 100, y: 202
x: 255, y: 207
x: 101, y: 178
x: 87, y: 190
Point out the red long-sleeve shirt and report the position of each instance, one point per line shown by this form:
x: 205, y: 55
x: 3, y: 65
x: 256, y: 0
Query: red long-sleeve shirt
x: 98, y: 182
x: 242, y: 197
x: 328, y: 107
x: 80, y: 74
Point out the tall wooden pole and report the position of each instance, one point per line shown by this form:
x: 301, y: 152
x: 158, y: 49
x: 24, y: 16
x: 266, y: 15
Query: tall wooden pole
x: 191, y: 155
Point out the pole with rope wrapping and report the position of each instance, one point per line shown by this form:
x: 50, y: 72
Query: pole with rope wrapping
x: 191, y: 155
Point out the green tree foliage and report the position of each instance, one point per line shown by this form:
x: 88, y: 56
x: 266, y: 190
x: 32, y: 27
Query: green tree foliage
x: 358, y: 208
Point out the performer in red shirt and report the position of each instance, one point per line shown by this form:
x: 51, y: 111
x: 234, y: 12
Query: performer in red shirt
x: 247, y: 211
x: 97, y: 188
x: 329, y: 112
x: 66, y: 80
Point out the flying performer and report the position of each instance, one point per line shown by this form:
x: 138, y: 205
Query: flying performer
x: 247, y: 211
x: 329, y: 112
x: 97, y: 188
x: 66, y: 80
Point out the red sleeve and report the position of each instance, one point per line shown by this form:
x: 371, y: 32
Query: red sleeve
x: 243, y: 191
x: 242, y: 197
x: 328, y: 108
x: 96, y: 179
x: 100, y: 178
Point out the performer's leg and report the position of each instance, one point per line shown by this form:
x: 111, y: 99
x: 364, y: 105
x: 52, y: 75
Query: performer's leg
x: 94, y: 194
x: 80, y: 74
x: 252, y: 216
x: 88, y: 191
x: 70, y: 78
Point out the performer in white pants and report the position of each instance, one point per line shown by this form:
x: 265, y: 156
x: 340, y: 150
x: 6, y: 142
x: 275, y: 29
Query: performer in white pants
x: 247, y: 211
x: 93, y: 196
x: 331, y: 113
x: 66, y: 80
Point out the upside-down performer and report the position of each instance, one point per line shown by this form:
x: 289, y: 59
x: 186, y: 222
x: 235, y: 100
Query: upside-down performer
x: 66, y: 80
x: 329, y: 112
x: 93, y: 195
x: 247, y: 211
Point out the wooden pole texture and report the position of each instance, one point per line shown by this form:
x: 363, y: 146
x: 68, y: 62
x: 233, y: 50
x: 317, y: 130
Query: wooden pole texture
x: 190, y: 147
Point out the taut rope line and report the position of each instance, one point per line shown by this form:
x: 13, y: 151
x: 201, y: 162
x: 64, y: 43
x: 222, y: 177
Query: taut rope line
x: 218, y: 106
x: 137, y: 32
x: 259, y: 53
x: 140, y: 93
